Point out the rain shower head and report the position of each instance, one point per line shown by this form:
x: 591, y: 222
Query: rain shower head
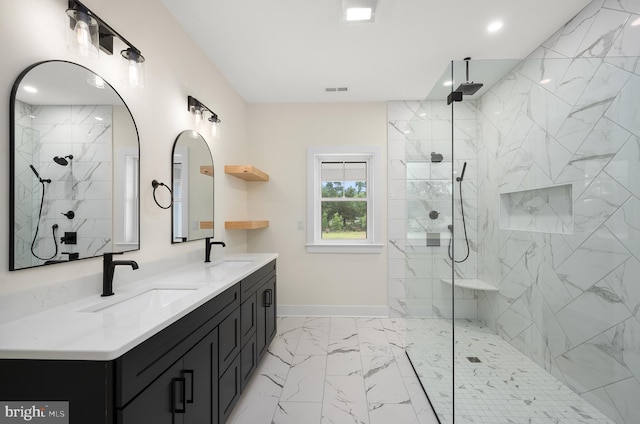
x: 469, y: 88
x: 63, y: 161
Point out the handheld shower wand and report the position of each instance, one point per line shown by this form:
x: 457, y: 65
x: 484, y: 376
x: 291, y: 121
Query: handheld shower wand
x: 464, y: 223
x: 42, y: 180
x: 461, y: 177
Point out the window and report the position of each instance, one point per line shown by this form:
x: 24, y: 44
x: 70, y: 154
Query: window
x: 343, y: 200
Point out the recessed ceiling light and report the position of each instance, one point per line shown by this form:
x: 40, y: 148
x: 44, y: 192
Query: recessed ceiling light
x: 358, y: 10
x: 448, y: 83
x: 30, y: 89
x: 359, y: 14
x: 495, y: 26
x: 636, y: 22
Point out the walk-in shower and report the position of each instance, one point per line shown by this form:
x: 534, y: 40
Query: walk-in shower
x: 540, y: 323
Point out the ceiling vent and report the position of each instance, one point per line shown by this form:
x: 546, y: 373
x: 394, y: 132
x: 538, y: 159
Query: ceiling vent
x: 335, y: 89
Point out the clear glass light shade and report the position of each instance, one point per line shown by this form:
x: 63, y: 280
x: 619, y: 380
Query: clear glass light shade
x: 215, y: 129
x: 197, y: 113
x: 134, y: 68
x: 83, y: 36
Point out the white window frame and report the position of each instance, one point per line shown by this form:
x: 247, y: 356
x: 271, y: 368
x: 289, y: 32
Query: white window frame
x: 373, y: 156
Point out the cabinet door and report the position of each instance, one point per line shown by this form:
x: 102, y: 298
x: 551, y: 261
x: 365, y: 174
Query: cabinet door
x: 266, y: 322
x: 271, y: 313
x: 163, y: 402
x: 229, y: 387
x: 200, y: 372
x: 248, y: 360
x: 228, y: 340
x: 248, y: 311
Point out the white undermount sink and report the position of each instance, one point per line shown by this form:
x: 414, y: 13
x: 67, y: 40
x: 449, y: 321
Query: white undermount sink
x: 146, y: 301
x: 232, y: 263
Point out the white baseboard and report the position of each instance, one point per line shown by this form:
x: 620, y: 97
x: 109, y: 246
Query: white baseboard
x: 333, y: 311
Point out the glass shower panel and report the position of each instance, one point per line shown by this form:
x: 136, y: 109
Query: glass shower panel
x: 428, y: 202
x: 546, y: 324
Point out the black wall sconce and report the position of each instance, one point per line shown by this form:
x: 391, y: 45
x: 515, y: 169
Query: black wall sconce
x: 89, y: 34
x: 199, y: 110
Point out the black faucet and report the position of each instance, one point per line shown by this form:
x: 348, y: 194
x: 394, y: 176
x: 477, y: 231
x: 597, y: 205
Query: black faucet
x: 108, y: 268
x: 207, y: 248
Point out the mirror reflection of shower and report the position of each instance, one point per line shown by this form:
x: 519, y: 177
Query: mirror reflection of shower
x: 63, y: 160
x: 464, y: 224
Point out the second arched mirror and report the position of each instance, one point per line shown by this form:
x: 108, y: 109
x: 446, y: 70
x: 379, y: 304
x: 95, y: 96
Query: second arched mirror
x: 192, y: 180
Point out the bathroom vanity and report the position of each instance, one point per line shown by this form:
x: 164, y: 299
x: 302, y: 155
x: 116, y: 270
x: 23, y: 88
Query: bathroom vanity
x: 179, y: 348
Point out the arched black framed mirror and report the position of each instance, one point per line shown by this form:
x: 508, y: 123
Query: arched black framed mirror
x: 193, y: 193
x: 74, y: 167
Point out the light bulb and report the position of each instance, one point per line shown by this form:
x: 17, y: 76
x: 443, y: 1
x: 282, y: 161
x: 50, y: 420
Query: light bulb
x: 83, y: 39
x: 198, y: 115
x: 134, y: 74
x: 83, y: 36
x: 134, y: 68
x: 215, y: 129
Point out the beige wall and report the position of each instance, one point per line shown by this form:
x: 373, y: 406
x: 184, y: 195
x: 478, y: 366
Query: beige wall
x: 272, y: 137
x: 34, y: 30
x: 280, y: 135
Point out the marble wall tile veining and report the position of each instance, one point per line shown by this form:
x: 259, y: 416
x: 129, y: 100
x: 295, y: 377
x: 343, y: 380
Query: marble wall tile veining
x: 566, y: 116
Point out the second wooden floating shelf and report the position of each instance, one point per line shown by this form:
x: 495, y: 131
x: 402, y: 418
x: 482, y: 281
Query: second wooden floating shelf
x: 245, y: 225
x: 246, y: 172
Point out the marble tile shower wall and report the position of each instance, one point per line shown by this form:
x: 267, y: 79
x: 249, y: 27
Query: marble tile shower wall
x: 570, y: 114
x: 84, y: 186
x: 418, y: 186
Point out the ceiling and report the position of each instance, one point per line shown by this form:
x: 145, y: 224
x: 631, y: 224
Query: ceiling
x: 291, y: 50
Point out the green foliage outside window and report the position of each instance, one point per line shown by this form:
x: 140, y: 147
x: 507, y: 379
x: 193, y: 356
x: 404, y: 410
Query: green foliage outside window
x: 344, y: 216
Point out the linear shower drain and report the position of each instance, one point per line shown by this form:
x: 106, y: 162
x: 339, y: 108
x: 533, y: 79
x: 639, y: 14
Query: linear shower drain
x: 473, y: 359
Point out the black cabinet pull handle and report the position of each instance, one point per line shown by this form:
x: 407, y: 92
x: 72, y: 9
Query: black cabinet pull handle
x: 179, y: 394
x: 268, y: 300
x: 190, y: 374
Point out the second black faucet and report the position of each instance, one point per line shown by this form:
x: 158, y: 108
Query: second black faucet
x: 108, y: 269
x: 207, y: 248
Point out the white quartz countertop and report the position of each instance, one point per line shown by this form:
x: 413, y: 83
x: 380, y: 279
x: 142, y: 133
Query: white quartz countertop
x: 104, y: 328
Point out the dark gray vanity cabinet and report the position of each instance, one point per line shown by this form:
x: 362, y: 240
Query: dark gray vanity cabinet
x: 191, y: 372
x: 183, y: 393
x: 258, y: 312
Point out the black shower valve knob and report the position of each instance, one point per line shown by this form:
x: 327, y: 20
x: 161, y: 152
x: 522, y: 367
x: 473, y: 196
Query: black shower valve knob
x: 69, y: 214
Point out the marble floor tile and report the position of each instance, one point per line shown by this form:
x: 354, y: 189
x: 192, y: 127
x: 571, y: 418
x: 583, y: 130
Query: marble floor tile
x: 383, y: 381
x: 386, y: 413
x: 343, y: 358
x: 259, y: 401
x: 330, y: 387
x: 313, y: 341
x: 297, y: 413
x: 305, y: 380
x: 344, y: 400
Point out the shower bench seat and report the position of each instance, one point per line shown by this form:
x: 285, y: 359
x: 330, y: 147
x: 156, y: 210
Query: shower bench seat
x: 471, y: 283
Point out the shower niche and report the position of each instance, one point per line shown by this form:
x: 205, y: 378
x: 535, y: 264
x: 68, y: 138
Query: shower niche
x: 543, y: 210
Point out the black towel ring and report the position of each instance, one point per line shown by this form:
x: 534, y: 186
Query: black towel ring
x: 155, y: 184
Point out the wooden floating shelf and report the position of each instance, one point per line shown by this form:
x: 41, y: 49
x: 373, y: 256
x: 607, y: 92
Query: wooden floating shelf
x: 206, y: 170
x: 206, y: 225
x: 245, y: 225
x: 246, y: 172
